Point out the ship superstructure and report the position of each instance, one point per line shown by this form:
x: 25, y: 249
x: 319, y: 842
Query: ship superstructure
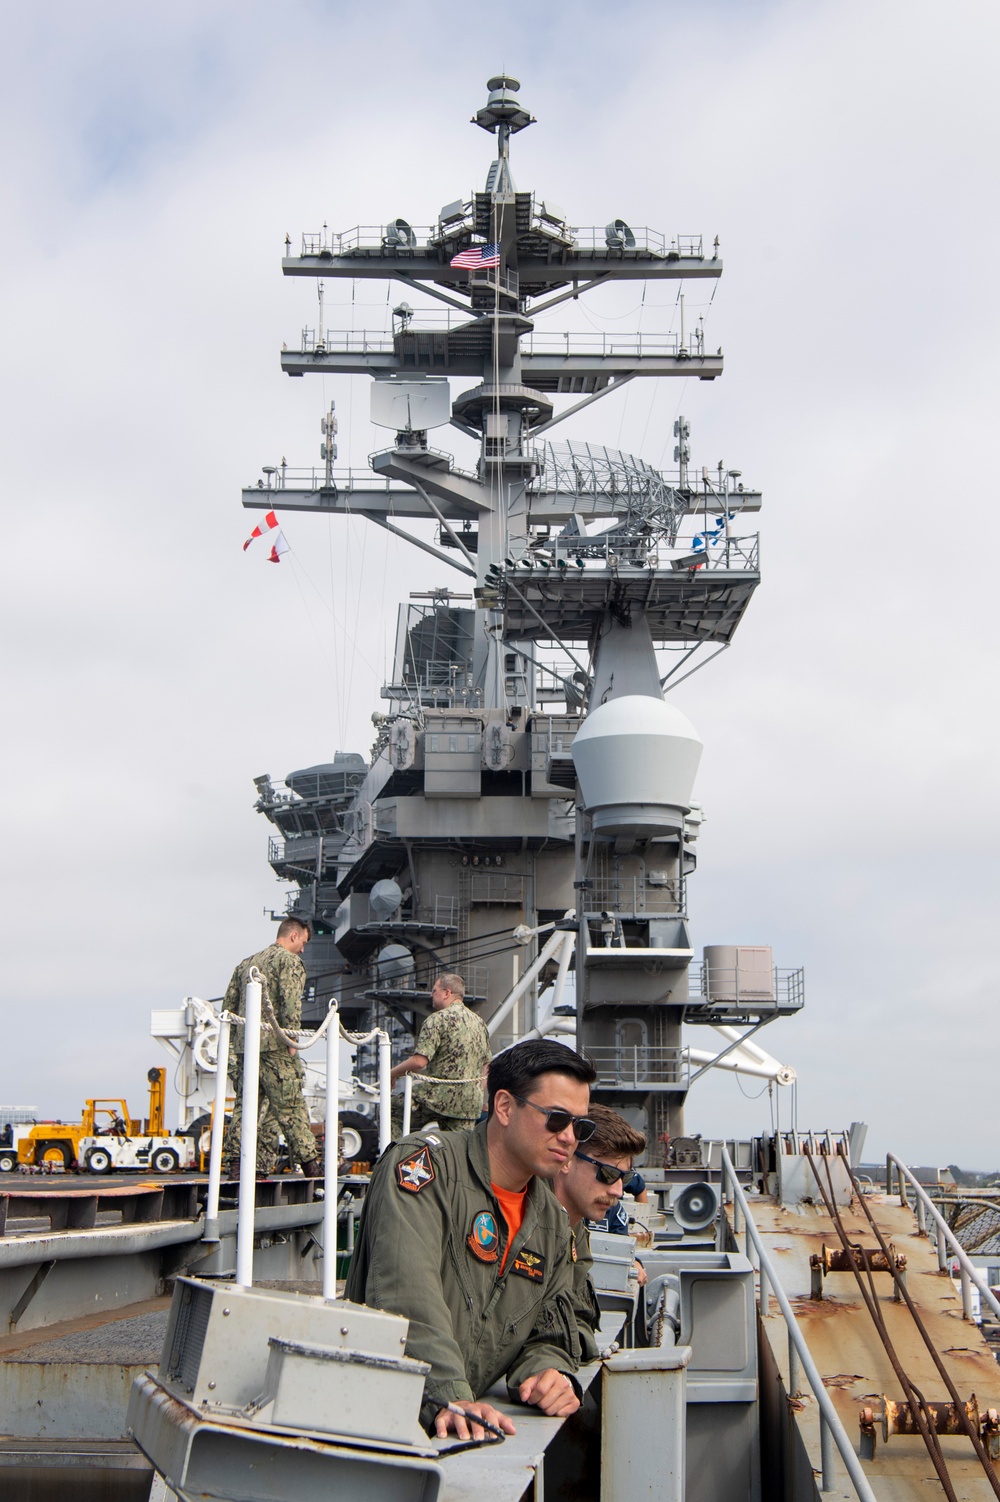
x: 594, y: 582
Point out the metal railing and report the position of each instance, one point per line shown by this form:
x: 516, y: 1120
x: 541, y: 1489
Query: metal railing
x: 609, y: 344
x: 788, y: 988
x: 587, y: 237
x: 944, y: 1235
x: 641, y: 1066
x: 289, y: 477
x: 636, y: 895
x: 490, y: 277
x: 832, y: 1431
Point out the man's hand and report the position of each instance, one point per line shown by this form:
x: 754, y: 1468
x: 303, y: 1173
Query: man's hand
x: 449, y: 1422
x: 550, y: 1391
x: 640, y: 1273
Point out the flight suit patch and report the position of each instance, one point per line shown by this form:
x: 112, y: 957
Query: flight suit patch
x: 484, y: 1239
x: 415, y: 1172
x: 529, y: 1264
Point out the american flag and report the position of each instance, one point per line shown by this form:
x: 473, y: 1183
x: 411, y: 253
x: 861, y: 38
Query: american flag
x: 477, y: 255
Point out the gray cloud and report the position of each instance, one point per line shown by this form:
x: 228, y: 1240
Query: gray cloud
x: 842, y: 152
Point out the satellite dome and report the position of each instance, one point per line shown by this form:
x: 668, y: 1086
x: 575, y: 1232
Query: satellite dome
x: 636, y: 758
x: 395, y: 965
x: 385, y: 899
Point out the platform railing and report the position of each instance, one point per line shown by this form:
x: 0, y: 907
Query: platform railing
x: 944, y: 1235
x: 832, y: 1431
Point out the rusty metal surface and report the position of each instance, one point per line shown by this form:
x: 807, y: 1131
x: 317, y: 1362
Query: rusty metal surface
x: 849, y: 1354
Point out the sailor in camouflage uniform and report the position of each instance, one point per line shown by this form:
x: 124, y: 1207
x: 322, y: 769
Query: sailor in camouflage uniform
x: 282, y: 1107
x: 452, y: 1045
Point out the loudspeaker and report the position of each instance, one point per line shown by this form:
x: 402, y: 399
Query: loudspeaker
x: 695, y: 1207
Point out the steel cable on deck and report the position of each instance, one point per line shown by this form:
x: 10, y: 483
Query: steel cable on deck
x: 921, y: 1412
x: 970, y: 1429
x: 914, y: 1397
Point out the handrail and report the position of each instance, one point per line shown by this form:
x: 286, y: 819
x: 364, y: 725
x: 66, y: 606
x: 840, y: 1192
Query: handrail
x: 969, y: 1273
x: 798, y: 1350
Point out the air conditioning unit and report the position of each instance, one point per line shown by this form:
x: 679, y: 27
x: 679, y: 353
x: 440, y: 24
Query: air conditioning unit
x: 739, y: 973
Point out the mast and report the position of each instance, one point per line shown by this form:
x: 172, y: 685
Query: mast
x: 472, y: 804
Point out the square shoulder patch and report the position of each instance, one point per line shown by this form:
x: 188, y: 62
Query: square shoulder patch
x: 415, y: 1172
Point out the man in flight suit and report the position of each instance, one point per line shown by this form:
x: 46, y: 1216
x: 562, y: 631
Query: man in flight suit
x: 281, y: 1102
x: 582, y: 1190
x: 462, y: 1235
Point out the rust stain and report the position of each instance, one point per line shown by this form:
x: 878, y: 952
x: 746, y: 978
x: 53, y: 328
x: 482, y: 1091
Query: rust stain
x: 843, y: 1379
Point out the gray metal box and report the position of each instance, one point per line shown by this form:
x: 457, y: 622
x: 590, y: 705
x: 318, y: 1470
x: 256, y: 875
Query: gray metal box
x: 216, y: 1346
x: 614, y: 1261
x: 718, y: 1321
x: 739, y: 972
x: 353, y: 1393
x: 453, y: 749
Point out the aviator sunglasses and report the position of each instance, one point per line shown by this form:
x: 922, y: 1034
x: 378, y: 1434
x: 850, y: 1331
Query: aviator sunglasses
x: 608, y: 1174
x: 557, y: 1120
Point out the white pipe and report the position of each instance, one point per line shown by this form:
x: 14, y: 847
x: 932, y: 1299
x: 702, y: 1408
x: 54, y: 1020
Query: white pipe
x: 782, y: 1074
x: 559, y: 938
x: 755, y: 1052
x: 407, y: 1103
x: 218, y: 1132
x: 562, y: 972
x: 552, y: 1027
x: 248, y: 1137
x: 384, y: 1091
x: 331, y: 1155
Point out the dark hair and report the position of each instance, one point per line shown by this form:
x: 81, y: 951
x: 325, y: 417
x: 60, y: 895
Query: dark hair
x: 291, y: 926
x: 614, y: 1137
x: 517, y: 1068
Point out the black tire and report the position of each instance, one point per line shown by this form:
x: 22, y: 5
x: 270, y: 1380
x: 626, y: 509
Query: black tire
x: 163, y: 1160
x: 8, y: 1160
x: 98, y: 1160
x: 46, y: 1146
x: 358, y: 1138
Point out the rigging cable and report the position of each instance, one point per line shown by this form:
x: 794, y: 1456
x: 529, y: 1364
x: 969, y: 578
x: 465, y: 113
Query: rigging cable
x: 915, y: 1398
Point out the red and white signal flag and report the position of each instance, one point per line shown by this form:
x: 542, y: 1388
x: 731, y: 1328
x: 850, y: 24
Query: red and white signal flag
x: 269, y: 523
x: 279, y: 546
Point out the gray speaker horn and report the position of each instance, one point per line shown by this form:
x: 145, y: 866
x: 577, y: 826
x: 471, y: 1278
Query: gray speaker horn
x: 695, y: 1207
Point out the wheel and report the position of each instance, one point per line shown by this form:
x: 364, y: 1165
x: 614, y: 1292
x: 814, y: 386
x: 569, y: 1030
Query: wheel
x: 53, y: 1152
x: 8, y: 1160
x: 163, y: 1160
x: 99, y: 1160
x: 358, y: 1138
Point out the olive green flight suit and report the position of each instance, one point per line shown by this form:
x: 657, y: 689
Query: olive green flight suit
x: 585, y: 1306
x: 430, y: 1244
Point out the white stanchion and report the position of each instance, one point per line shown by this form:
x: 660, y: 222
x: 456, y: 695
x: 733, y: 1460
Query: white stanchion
x: 218, y: 1132
x: 384, y: 1091
x: 248, y: 1138
x: 407, y: 1103
x: 332, y: 1155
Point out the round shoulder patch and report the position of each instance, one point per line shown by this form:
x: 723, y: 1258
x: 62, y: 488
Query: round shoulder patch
x: 484, y: 1238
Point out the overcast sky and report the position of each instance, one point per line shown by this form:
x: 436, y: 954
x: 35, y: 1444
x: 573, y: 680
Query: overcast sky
x: 845, y: 155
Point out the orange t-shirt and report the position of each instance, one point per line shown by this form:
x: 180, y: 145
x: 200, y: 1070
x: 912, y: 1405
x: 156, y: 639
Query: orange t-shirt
x: 512, y: 1204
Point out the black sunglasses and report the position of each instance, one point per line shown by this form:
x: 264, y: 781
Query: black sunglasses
x: 557, y: 1120
x: 607, y: 1174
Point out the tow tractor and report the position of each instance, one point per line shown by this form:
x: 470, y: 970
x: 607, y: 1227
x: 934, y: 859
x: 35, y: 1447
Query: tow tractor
x: 123, y: 1144
x: 108, y: 1136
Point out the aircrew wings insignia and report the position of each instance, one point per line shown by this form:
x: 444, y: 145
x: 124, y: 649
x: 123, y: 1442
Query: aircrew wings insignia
x: 415, y: 1172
